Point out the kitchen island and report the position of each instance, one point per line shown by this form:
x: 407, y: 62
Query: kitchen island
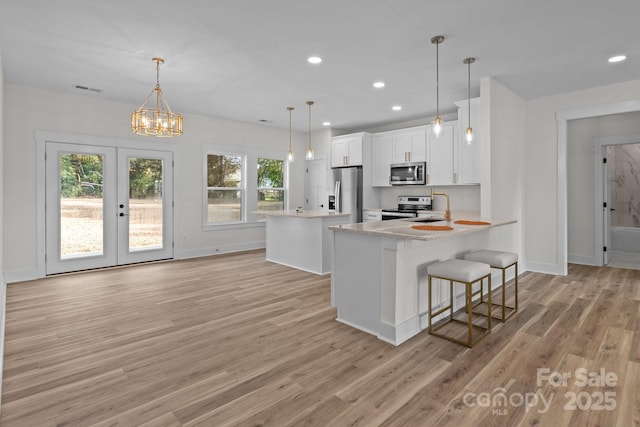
x: 379, y: 275
x: 302, y: 239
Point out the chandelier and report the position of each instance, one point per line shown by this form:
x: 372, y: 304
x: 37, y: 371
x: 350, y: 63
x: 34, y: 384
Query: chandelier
x: 159, y: 121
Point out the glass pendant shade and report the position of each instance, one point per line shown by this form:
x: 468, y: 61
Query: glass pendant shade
x: 159, y: 121
x: 437, y: 126
x: 310, y: 155
x: 469, y: 133
x: 290, y: 153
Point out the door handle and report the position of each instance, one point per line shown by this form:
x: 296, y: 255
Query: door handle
x: 123, y: 214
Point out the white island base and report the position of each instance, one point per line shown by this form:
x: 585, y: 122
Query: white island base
x: 379, y: 279
x: 302, y: 239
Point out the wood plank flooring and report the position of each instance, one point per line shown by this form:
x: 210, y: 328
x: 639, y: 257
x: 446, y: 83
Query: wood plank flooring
x: 235, y: 340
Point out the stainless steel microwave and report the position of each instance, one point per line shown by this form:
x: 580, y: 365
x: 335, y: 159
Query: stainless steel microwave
x: 411, y: 173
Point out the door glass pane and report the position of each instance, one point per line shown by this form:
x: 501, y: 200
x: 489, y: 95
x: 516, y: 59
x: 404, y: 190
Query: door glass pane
x: 81, y: 205
x: 145, y: 204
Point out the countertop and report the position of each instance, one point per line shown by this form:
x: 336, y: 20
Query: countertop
x: 401, y: 228
x: 305, y: 214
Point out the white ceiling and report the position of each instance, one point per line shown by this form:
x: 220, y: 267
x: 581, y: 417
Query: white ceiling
x: 246, y: 59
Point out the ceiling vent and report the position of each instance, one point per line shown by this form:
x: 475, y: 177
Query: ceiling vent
x: 90, y: 89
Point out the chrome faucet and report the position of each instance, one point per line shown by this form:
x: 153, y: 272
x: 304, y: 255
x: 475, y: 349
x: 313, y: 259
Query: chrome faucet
x: 447, y: 213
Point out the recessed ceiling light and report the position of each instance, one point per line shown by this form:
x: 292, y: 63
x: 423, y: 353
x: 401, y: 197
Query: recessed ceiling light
x: 326, y: 123
x: 396, y: 108
x: 378, y: 85
x: 617, y: 58
x: 314, y: 60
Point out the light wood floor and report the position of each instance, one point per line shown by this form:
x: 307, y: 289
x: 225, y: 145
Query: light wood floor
x: 235, y: 340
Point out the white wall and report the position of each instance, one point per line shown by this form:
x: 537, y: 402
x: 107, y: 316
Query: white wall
x: 29, y: 109
x: 580, y: 177
x: 504, y: 114
x: 541, y: 167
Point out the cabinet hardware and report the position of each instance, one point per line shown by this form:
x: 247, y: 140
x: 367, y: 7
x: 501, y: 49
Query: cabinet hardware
x: 455, y: 178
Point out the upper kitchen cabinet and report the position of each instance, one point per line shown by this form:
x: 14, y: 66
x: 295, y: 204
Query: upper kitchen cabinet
x: 381, y: 154
x: 396, y: 146
x: 468, y: 153
x: 440, y: 166
x: 346, y: 150
x: 409, y: 145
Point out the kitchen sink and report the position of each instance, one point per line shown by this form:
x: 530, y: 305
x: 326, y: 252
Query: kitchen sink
x: 427, y: 219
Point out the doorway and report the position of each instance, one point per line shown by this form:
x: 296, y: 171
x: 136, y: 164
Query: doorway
x: 621, y: 226
x: 106, y: 206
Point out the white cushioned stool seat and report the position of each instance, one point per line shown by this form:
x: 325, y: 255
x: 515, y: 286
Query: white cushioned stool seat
x: 493, y: 258
x: 459, y: 270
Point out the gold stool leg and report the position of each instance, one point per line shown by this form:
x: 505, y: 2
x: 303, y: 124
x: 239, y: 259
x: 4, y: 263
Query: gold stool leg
x: 469, y: 315
x: 430, y: 306
x: 489, y: 303
x: 516, y: 286
x: 504, y: 291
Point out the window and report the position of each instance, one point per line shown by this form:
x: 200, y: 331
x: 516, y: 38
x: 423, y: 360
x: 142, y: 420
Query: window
x: 240, y: 183
x: 224, y: 188
x: 270, y: 185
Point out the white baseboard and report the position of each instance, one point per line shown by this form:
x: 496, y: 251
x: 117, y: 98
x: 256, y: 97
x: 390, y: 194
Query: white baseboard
x: 584, y: 260
x: 545, y: 267
x: 217, y: 250
x: 26, y: 275
x: 21, y: 276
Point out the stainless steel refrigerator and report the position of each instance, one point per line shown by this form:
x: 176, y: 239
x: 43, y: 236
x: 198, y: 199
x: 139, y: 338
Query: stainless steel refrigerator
x: 348, y: 191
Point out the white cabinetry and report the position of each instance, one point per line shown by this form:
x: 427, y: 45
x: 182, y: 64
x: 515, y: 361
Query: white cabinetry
x: 468, y: 154
x: 451, y: 159
x: 381, y: 153
x: 346, y: 150
x: 440, y: 166
x: 396, y: 146
x: 409, y: 145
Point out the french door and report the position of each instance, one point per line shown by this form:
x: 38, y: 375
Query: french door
x: 107, y: 206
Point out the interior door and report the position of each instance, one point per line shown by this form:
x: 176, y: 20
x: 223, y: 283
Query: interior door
x: 106, y: 206
x: 315, y: 196
x: 606, y: 214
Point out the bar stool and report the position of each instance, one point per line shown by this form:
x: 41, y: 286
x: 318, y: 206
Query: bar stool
x: 466, y: 273
x: 501, y: 261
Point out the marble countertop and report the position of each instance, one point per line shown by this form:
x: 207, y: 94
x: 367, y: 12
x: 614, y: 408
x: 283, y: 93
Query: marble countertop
x: 305, y: 214
x: 402, y: 228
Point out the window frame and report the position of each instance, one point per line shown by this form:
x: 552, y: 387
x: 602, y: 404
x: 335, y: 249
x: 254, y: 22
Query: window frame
x: 284, y: 182
x: 249, y: 186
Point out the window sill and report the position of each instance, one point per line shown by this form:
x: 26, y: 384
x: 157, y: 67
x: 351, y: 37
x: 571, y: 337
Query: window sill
x: 233, y: 225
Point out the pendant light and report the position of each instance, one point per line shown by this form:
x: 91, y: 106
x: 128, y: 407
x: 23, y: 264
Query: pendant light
x: 469, y: 133
x: 437, y: 127
x: 290, y: 154
x: 159, y: 121
x: 309, y: 149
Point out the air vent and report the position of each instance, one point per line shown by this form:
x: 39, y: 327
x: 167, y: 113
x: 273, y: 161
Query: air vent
x: 265, y: 121
x: 87, y: 88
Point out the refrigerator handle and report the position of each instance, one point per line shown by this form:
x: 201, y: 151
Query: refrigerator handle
x: 336, y: 193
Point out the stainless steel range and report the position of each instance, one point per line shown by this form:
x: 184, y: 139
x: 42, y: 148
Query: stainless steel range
x: 408, y: 207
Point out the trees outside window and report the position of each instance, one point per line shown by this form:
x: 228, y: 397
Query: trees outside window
x: 271, y: 192
x: 224, y: 188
